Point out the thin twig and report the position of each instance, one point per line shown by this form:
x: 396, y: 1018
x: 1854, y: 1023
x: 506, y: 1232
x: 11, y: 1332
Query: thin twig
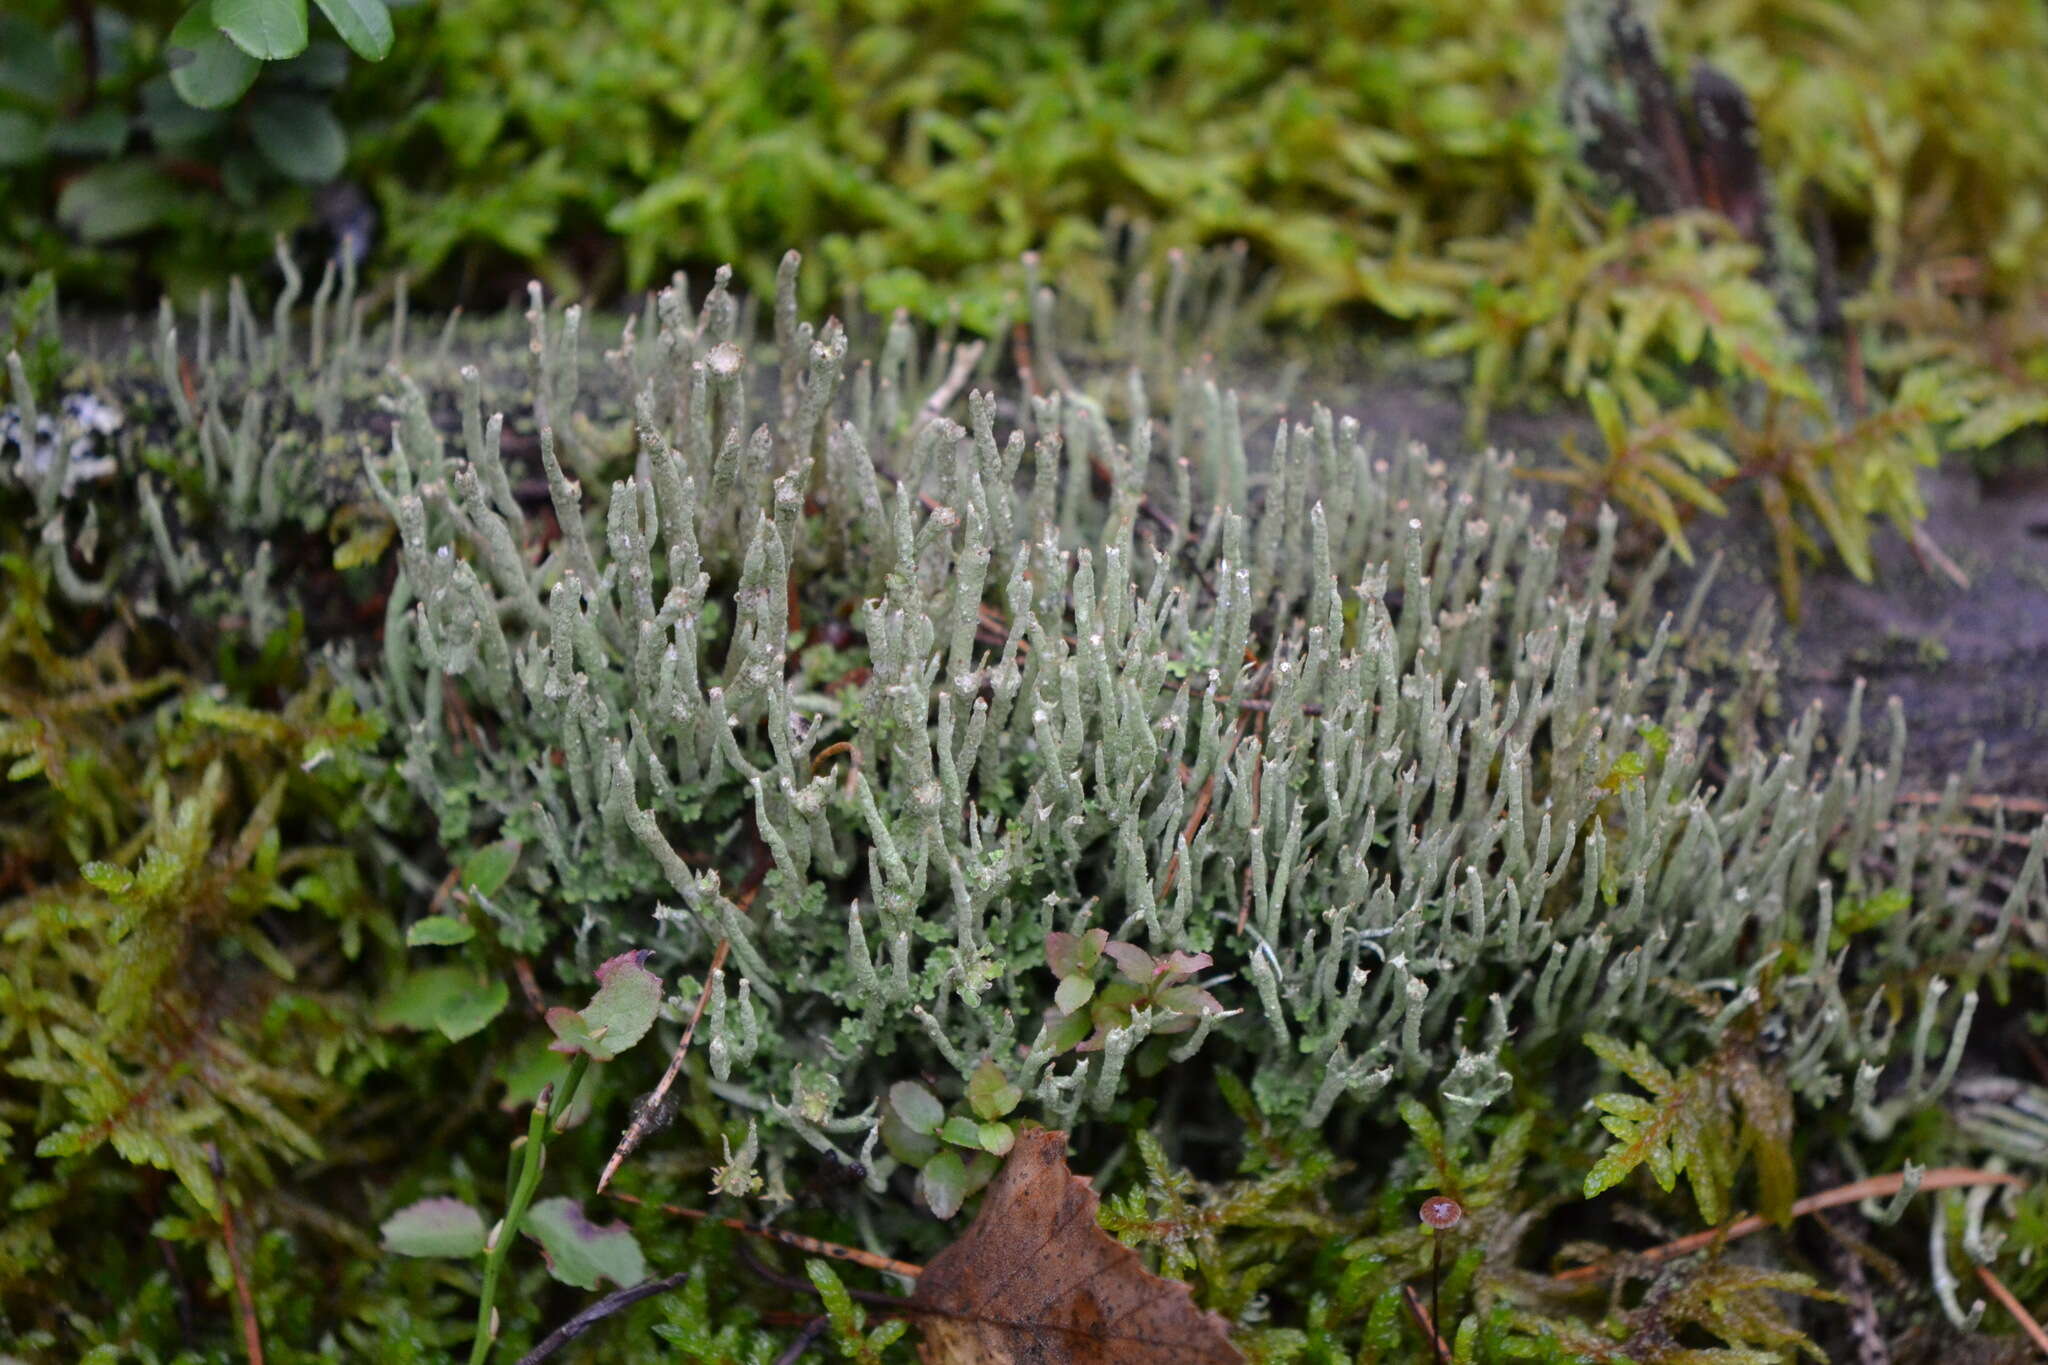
x: 529, y: 987
x: 795, y: 1286
x: 637, y: 1130
x: 598, y: 1312
x: 245, y: 1300
x: 966, y: 356
x: 805, y: 1339
x: 1876, y: 1187
x: 2002, y: 836
x: 2013, y: 1306
x: 1421, y: 1313
x: 1931, y: 556
x: 2027, y: 805
x: 795, y: 1240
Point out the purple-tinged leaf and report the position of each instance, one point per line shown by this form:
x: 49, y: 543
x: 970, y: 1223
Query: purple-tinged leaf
x: 581, y: 1252
x: 1132, y: 962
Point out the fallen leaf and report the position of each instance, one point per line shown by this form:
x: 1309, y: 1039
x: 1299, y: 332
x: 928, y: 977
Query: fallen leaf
x: 1036, y: 1282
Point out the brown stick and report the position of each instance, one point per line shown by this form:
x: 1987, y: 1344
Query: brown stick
x: 797, y: 1240
x: 2013, y: 1306
x: 598, y: 1312
x: 1876, y: 1187
x: 636, y: 1131
x: 529, y: 987
x: 2001, y: 836
x: 1443, y: 1352
x: 805, y: 1339
x: 2028, y: 805
x: 245, y: 1300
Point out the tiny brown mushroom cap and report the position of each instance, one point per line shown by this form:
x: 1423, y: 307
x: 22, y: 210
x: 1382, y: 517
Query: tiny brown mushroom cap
x: 1440, y: 1211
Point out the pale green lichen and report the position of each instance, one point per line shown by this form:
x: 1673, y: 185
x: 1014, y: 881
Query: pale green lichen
x: 1349, y: 721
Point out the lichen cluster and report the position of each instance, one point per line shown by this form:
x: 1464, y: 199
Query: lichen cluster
x: 1043, y: 736
x: 883, y: 699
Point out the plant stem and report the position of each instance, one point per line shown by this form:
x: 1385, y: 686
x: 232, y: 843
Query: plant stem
x: 539, y: 1131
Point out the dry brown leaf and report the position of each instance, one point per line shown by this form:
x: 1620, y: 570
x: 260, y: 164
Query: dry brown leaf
x: 1036, y: 1282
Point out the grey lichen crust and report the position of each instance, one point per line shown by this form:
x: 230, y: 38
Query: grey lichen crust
x: 973, y: 666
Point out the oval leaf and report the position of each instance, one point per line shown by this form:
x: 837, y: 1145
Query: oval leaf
x: 580, y: 1252
x: 438, y: 931
x: 451, y: 999
x: 942, y: 1184
x: 1134, y: 963
x: 117, y: 200
x: 915, y: 1105
x: 911, y: 1148
x: 300, y: 136
x: 1073, y: 992
x: 485, y: 870
x: 628, y: 999
x: 435, y: 1227
x: 207, y: 70
x: 364, y: 25
x: 961, y: 1131
x: 268, y: 30
x: 990, y: 1093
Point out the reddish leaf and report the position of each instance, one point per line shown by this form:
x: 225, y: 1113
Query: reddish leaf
x: 1034, y: 1279
x: 1074, y: 954
x: 1134, y: 962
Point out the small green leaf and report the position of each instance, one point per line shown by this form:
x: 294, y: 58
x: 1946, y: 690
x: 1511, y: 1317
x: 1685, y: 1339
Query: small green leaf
x: 117, y: 200
x: 453, y: 1000
x: 961, y: 1131
x: 171, y: 120
x: 916, y: 1106
x: 469, y: 1012
x: 990, y: 1092
x: 207, y: 70
x: 1074, y: 954
x: 942, y: 1184
x: 487, y: 869
x: 526, y: 1070
x: 108, y: 877
x: 1068, y: 1033
x: 911, y: 1148
x: 438, y: 931
x: 627, y: 1001
x: 268, y: 30
x: 100, y: 132
x: 299, y: 136
x: 435, y: 1227
x: 364, y: 25
x: 997, y: 1138
x: 580, y: 1252
x: 1608, y: 1171
x: 1073, y: 992
x: 573, y: 1033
